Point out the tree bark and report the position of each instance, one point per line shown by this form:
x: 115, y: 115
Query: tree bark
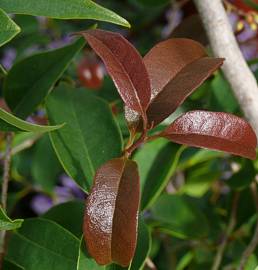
x: 235, y: 68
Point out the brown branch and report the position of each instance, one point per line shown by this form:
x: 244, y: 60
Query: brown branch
x: 229, y: 230
x: 4, y: 192
x: 254, y: 241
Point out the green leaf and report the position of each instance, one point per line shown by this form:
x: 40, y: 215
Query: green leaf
x: 45, y: 166
x: 143, y: 246
x: 60, y: 215
x: 9, y: 122
x: 90, y: 137
x: 8, y: 28
x: 141, y: 253
x: 42, y: 244
x: 63, y: 9
x: 177, y: 216
x: 7, y: 224
x: 244, y: 177
x: 155, y: 174
x: 24, y: 93
x: 11, y: 266
x: 222, y: 97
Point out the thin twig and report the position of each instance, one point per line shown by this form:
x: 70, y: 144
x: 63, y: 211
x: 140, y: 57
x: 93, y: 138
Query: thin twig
x: 254, y: 242
x: 5, y: 181
x: 230, y: 228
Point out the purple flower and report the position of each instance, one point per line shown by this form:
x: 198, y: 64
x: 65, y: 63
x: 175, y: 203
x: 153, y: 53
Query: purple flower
x: 9, y: 56
x: 41, y: 203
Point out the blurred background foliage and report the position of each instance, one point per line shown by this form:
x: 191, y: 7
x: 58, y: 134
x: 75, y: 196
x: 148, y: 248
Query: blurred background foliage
x: 200, y: 192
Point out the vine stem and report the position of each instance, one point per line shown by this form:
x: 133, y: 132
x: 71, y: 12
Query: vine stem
x: 229, y: 230
x: 254, y: 242
x: 5, y: 182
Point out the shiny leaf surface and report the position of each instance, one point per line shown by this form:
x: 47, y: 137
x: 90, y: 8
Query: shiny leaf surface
x: 214, y: 130
x: 125, y: 66
x: 180, y: 87
x: 110, y: 221
x: 165, y: 60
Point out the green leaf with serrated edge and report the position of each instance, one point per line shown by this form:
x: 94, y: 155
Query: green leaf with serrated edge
x: 43, y: 244
x: 141, y: 253
x: 63, y: 9
x: 59, y: 212
x: 155, y: 174
x: 6, y: 223
x: 8, y: 28
x: 175, y: 215
x: 24, y: 93
x: 9, y: 122
x: 90, y: 137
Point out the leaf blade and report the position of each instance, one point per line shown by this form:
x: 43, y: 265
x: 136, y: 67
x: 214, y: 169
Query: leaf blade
x: 180, y: 87
x: 90, y: 137
x: 63, y: 9
x: 8, y: 28
x: 125, y: 66
x: 9, y: 122
x: 213, y: 130
x: 22, y: 93
x: 110, y: 216
x: 7, y: 224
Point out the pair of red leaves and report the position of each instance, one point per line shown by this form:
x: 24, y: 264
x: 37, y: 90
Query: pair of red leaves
x: 153, y: 87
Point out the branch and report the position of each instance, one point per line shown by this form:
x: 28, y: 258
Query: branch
x: 235, y: 68
x: 230, y: 228
x: 254, y: 242
x: 5, y: 181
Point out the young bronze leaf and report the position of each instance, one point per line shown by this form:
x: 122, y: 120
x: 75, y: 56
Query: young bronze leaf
x: 168, y: 58
x: 125, y: 66
x: 180, y: 87
x: 111, y: 215
x: 214, y: 130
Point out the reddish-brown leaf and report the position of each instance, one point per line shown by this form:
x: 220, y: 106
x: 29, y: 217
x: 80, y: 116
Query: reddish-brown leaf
x: 214, y: 130
x: 111, y: 215
x: 125, y: 66
x: 168, y: 58
x: 180, y: 87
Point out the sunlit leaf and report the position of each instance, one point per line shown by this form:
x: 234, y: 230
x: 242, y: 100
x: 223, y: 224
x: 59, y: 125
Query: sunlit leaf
x: 6, y: 223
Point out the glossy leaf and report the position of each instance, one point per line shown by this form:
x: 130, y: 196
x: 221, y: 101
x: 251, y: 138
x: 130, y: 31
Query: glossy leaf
x: 24, y: 93
x: 63, y: 9
x: 155, y: 174
x: 8, y: 28
x: 180, y: 87
x: 110, y: 221
x: 6, y: 223
x: 90, y: 137
x: 175, y: 215
x: 59, y: 215
x: 9, y: 122
x: 165, y: 60
x: 44, y: 239
x: 125, y: 66
x: 214, y: 130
